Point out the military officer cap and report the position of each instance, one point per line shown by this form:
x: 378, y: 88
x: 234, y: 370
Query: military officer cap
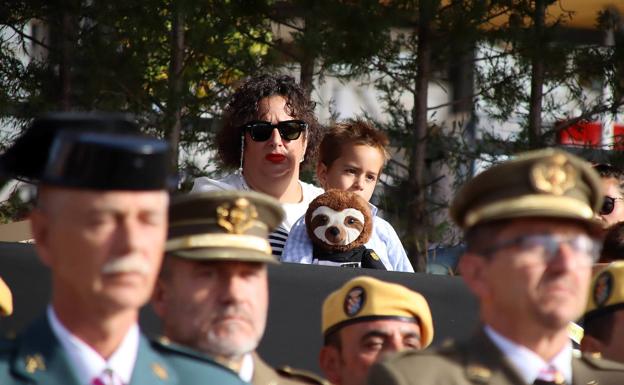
x: 548, y: 183
x: 89, y: 151
x: 606, y: 292
x: 223, y: 226
x: 6, y: 299
x: 366, y: 298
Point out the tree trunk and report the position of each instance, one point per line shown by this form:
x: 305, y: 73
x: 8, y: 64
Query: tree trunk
x: 174, y: 118
x: 306, y: 77
x: 66, y: 52
x: 307, y: 73
x: 417, y: 222
x: 537, y: 76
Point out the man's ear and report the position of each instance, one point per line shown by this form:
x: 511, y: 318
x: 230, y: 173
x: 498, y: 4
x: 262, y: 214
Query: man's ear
x: 39, y: 227
x: 329, y: 361
x: 590, y: 344
x: 321, y: 174
x: 472, y: 269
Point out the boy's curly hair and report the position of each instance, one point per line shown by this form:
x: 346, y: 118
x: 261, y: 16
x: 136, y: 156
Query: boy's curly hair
x: 244, y: 107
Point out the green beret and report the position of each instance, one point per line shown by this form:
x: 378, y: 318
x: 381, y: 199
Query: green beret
x: 547, y: 183
x: 223, y: 225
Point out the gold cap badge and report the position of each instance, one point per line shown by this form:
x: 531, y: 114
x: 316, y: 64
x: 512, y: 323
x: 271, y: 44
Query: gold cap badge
x: 238, y: 217
x: 554, y: 175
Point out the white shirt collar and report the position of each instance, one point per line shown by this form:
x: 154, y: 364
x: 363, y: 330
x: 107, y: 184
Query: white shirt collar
x: 247, y: 368
x: 88, y: 363
x: 527, y: 362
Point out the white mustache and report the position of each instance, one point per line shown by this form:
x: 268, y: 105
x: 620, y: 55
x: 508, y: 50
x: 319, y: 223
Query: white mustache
x: 231, y: 311
x: 132, y: 263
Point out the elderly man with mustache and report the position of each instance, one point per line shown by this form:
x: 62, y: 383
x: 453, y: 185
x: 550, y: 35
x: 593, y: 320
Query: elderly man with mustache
x: 100, y: 226
x: 212, y: 293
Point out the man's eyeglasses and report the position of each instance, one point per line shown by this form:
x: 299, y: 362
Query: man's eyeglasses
x: 545, y: 247
x: 608, y: 205
x: 261, y: 131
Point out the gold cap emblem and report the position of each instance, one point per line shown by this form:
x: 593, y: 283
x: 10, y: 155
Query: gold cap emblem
x: 554, y: 175
x: 34, y: 362
x: 237, y: 217
x: 159, y: 371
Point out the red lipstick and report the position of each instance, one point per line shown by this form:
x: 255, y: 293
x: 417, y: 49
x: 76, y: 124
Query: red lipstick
x: 275, y: 158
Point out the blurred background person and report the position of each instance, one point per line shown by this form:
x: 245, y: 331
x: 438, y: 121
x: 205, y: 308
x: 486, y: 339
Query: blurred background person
x: 269, y: 131
x: 604, y: 318
x: 613, y: 244
x: 612, y: 210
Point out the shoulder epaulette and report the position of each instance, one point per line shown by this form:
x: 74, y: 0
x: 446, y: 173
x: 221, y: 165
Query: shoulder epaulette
x: 301, y: 375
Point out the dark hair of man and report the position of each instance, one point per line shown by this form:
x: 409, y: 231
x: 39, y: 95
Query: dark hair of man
x: 600, y: 326
x: 606, y: 170
x: 244, y: 107
x: 354, y: 132
x: 613, y: 245
x: 333, y: 339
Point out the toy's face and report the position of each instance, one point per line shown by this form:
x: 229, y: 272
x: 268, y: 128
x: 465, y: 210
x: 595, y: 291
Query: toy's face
x: 337, y: 228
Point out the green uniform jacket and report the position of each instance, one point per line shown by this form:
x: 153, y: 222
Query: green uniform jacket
x: 263, y: 374
x: 37, y: 357
x: 479, y: 361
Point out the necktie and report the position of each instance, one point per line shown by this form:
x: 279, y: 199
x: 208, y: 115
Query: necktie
x: 107, y: 377
x: 549, y: 376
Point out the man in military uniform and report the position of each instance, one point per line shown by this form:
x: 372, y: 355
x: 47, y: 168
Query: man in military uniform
x: 212, y: 293
x: 529, y: 230
x: 366, y: 319
x: 604, y: 317
x: 100, y: 226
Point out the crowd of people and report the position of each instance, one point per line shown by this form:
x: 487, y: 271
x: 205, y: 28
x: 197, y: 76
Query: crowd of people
x: 114, y: 240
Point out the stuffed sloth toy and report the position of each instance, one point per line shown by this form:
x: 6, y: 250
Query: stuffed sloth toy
x: 339, y: 223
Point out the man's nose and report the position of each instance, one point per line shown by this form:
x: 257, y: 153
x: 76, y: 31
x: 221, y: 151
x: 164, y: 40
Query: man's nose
x: 230, y: 288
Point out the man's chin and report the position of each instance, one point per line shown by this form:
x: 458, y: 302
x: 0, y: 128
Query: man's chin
x: 228, y: 347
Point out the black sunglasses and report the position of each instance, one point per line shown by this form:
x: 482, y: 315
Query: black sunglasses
x: 261, y: 131
x: 608, y: 204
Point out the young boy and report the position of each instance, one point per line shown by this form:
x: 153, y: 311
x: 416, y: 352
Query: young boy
x: 351, y: 158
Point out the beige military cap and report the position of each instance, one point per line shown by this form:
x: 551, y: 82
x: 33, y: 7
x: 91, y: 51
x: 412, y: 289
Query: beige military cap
x: 606, y: 292
x: 543, y: 183
x: 223, y: 225
x: 366, y: 298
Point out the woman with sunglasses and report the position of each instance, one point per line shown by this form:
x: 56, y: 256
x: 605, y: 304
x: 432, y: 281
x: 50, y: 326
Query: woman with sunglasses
x: 612, y: 210
x: 269, y: 131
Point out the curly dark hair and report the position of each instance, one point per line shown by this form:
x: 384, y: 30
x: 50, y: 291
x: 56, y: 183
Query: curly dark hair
x: 243, y: 107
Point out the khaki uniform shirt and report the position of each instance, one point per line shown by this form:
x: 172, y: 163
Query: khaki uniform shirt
x: 479, y: 361
x: 263, y: 374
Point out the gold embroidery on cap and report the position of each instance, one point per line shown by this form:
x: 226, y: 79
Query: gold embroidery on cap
x: 34, y: 363
x: 159, y: 371
x: 554, y: 175
x: 237, y: 218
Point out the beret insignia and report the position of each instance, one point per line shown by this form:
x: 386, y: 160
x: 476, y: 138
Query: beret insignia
x: 603, y: 288
x: 354, y: 301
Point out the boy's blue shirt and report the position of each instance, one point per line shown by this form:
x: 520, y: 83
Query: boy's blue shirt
x: 384, y: 241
